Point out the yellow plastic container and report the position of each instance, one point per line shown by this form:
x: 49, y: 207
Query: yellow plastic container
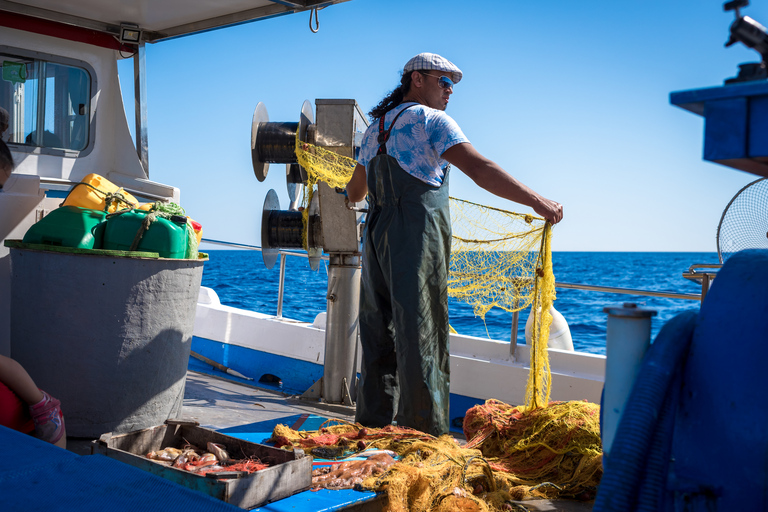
x: 93, y: 191
x: 198, y: 228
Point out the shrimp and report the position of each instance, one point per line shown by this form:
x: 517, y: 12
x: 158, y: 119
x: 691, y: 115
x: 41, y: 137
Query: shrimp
x: 347, y: 475
x: 220, y: 451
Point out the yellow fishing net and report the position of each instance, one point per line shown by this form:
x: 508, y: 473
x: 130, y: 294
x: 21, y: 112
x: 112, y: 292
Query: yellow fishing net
x: 324, y: 165
x: 321, y: 165
x: 504, y: 259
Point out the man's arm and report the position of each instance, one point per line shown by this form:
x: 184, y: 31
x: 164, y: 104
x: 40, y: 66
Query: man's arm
x: 357, y: 187
x: 490, y: 176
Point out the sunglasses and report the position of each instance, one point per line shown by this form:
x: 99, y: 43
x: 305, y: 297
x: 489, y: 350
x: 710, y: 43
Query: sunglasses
x: 443, y: 81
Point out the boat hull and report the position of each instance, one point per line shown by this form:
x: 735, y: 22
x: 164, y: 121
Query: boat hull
x: 270, y: 349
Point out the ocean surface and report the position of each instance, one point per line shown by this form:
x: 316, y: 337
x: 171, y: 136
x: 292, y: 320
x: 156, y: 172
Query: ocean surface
x: 241, y: 280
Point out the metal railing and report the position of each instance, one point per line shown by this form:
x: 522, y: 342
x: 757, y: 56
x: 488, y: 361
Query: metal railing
x: 281, y: 252
x: 704, y: 277
x: 629, y: 291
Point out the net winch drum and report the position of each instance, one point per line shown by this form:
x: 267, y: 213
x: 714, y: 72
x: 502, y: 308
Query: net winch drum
x: 274, y: 142
x: 284, y: 230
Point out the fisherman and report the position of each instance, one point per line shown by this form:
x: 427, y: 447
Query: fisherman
x: 403, y: 166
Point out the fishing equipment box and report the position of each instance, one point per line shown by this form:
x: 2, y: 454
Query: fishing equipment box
x: 288, y: 472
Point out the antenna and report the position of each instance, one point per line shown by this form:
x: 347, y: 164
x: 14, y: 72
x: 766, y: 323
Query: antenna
x: 752, y: 34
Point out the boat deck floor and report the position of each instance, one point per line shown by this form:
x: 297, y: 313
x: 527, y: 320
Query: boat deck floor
x: 250, y: 413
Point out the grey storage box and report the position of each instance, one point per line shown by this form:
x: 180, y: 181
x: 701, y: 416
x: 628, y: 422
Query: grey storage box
x: 288, y: 472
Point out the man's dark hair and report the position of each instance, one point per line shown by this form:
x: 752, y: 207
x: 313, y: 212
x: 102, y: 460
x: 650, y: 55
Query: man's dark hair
x: 394, y: 98
x: 5, y: 120
x: 6, y: 159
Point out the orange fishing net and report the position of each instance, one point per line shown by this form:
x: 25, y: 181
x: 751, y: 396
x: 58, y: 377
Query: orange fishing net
x: 559, y: 444
x: 338, y: 438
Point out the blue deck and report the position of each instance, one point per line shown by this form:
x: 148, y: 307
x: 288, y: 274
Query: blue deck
x: 322, y: 500
x: 41, y: 477
x: 38, y: 476
x: 296, y: 376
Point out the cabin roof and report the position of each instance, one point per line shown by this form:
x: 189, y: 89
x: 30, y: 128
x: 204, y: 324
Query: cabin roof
x: 159, y: 19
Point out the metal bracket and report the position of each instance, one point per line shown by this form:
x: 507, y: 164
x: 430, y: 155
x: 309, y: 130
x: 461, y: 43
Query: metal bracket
x: 346, y: 398
x: 315, y: 391
x: 705, y: 277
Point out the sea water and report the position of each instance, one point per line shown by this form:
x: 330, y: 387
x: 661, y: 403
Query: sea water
x: 241, y: 280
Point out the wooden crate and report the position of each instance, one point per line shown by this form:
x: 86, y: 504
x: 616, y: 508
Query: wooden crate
x: 289, y: 472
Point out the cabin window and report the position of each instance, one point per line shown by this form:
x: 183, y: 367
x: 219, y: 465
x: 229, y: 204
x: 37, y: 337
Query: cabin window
x: 46, y: 103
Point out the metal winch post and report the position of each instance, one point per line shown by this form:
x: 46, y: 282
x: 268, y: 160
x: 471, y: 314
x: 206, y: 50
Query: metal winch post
x: 339, y: 126
x: 340, y: 370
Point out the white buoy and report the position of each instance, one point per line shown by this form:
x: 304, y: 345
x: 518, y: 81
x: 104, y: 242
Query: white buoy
x: 559, y: 332
x: 319, y: 322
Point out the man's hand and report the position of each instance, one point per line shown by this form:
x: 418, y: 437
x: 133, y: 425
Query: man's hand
x: 550, y: 210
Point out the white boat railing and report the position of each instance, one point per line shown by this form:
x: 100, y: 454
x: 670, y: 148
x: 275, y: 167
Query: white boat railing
x: 515, y: 315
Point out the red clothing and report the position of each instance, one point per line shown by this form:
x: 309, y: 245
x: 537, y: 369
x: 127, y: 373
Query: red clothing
x: 14, y: 412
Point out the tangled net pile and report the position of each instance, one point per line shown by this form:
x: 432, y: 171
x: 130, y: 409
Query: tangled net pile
x: 512, y: 454
x: 559, y: 444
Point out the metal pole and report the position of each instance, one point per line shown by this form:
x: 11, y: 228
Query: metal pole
x: 515, y: 320
x: 40, y: 70
x: 281, y: 286
x: 339, y: 370
x: 627, y: 338
x: 515, y: 323
x: 140, y: 105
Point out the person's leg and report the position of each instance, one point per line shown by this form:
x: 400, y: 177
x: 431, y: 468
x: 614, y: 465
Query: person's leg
x: 45, y: 410
x: 377, y: 389
x: 423, y: 358
x: 13, y: 375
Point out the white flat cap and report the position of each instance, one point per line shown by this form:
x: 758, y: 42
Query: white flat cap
x: 432, y: 61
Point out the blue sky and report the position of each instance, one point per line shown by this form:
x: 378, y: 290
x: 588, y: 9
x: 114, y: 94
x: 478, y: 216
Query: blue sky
x: 570, y: 97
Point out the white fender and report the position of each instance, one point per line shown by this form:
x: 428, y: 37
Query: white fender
x: 319, y: 322
x: 559, y: 332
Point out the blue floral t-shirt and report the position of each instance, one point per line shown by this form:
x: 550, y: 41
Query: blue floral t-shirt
x: 417, y: 140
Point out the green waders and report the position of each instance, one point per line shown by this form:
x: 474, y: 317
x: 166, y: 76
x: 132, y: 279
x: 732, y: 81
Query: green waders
x: 404, y: 299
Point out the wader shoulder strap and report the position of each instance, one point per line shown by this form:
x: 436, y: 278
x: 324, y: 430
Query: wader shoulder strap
x: 384, y: 135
